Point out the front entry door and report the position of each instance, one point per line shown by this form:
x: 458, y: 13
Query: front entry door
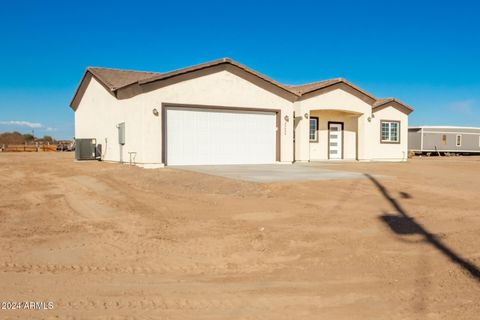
x: 335, y: 140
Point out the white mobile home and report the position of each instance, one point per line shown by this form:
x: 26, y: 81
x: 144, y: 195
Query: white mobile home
x: 428, y: 139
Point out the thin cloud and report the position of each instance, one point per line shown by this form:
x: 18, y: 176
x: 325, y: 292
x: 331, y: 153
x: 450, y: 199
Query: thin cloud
x: 32, y: 125
x: 50, y: 129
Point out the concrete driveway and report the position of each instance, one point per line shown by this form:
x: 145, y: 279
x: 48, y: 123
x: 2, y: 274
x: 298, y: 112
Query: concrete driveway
x: 267, y: 173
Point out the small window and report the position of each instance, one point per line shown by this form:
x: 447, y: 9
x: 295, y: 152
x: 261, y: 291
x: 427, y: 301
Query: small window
x: 390, y: 131
x: 313, y: 129
x: 444, y: 139
x: 459, y: 140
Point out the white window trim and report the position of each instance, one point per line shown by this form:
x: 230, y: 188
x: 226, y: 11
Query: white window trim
x: 316, y: 129
x: 389, y: 123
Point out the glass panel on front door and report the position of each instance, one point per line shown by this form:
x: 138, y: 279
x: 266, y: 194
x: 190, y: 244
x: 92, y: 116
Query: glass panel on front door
x: 335, y: 142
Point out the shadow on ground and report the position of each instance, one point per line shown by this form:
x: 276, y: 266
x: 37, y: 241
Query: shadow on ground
x: 403, y: 224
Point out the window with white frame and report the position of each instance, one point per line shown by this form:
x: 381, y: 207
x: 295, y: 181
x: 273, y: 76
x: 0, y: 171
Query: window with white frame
x: 459, y: 140
x: 390, y: 131
x: 313, y: 129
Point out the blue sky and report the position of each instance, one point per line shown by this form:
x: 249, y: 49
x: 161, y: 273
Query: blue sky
x: 425, y: 53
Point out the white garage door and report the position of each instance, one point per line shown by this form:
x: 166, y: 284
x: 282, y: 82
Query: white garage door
x: 206, y: 136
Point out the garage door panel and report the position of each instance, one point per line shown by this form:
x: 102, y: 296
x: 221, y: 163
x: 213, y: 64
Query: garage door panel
x: 197, y: 136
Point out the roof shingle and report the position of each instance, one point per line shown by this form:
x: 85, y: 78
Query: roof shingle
x: 381, y: 102
x: 115, y: 79
x: 309, y: 87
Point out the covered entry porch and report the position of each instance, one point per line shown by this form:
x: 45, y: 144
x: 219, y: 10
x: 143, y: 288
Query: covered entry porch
x: 332, y: 135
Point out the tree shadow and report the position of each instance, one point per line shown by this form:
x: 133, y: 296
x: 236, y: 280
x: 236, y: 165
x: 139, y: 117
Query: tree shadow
x: 403, y: 224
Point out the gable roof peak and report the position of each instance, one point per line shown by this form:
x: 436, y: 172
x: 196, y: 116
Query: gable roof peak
x: 115, y: 79
x: 382, y: 102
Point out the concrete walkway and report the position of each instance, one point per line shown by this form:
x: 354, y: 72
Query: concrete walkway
x: 267, y: 173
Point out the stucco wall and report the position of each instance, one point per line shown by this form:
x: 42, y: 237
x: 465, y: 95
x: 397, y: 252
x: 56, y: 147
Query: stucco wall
x: 319, y: 149
x: 375, y: 150
x: 218, y: 89
x: 97, y: 116
x: 99, y: 112
x: 336, y: 100
x: 368, y: 146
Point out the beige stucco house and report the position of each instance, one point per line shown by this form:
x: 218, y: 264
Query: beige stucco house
x: 223, y: 112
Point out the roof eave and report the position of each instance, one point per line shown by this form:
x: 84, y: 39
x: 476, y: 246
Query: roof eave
x: 295, y: 94
x: 214, y: 63
x: 78, y: 88
x: 89, y: 71
x: 393, y: 100
x: 345, y: 82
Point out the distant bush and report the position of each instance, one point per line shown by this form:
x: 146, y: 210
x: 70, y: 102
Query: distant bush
x: 19, y: 138
x: 12, y: 138
x: 48, y: 139
x: 28, y: 137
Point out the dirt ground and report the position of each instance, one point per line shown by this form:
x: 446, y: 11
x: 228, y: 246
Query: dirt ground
x: 110, y: 241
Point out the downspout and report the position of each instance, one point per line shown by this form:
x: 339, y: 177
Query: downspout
x: 293, y: 136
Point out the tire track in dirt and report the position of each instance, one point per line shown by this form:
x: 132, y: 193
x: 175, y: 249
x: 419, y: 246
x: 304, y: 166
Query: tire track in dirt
x: 158, y: 303
x: 189, y: 269
x: 231, y: 304
x: 65, y: 317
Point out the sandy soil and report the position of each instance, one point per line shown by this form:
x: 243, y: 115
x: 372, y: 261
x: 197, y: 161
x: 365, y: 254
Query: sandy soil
x: 109, y: 241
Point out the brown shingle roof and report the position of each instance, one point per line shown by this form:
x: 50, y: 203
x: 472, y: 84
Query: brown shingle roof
x: 115, y: 79
x: 305, y: 88
x: 212, y: 64
x: 311, y: 87
x: 381, y: 102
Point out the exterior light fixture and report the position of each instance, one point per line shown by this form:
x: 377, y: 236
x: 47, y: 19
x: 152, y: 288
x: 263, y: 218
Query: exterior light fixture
x: 287, y: 118
x: 306, y: 115
x: 155, y: 112
x: 369, y: 119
